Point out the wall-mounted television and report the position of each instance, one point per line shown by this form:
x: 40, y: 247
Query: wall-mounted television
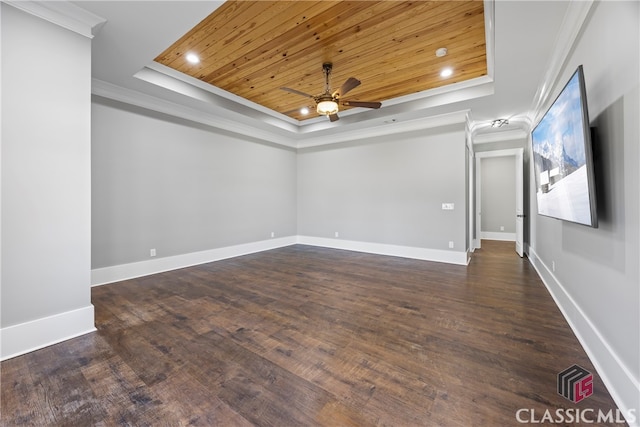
x: 562, y: 157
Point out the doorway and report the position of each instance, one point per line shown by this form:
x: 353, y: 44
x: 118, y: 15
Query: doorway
x: 517, y: 156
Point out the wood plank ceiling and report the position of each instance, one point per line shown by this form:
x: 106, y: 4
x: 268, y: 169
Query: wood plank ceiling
x: 253, y: 48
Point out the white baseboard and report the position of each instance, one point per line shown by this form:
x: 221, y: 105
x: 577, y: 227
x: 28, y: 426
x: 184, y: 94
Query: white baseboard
x: 477, y: 244
x: 620, y: 382
x: 498, y: 235
x: 25, y: 337
x: 116, y: 273
x: 438, y: 255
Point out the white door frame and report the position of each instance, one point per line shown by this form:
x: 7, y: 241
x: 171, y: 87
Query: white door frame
x: 518, y: 154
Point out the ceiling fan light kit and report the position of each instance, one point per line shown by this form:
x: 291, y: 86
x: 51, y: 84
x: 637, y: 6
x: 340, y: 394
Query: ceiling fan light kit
x: 327, y: 103
x: 327, y: 107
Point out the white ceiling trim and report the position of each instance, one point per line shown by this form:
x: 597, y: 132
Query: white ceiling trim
x: 170, y: 72
x: 170, y: 79
x: 490, y: 36
x: 387, y: 128
x: 483, y: 132
x: 450, y: 88
x: 382, y: 128
x: 62, y: 13
x: 128, y: 96
x: 166, y: 77
x: 571, y: 27
x: 222, y: 111
x: 227, y: 107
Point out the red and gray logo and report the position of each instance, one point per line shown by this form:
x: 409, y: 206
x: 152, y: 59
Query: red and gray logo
x: 575, y: 383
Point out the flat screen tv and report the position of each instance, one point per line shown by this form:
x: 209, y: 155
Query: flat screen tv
x: 562, y: 157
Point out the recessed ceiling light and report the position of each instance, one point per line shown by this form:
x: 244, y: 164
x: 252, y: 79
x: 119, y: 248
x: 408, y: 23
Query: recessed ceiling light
x: 441, y: 52
x: 498, y: 123
x: 304, y: 110
x: 446, y: 72
x: 192, y: 58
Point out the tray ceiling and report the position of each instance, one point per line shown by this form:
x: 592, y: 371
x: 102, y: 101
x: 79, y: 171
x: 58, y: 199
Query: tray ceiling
x: 253, y: 48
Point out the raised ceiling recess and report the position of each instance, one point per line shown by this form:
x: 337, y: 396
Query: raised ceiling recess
x: 254, y: 48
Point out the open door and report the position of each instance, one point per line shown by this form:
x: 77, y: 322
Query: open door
x: 518, y: 156
x: 519, y: 202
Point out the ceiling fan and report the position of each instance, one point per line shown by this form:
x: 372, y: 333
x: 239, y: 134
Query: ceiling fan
x: 327, y: 102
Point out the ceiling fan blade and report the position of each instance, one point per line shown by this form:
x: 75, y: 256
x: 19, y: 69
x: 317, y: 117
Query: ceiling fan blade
x: 351, y: 83
x: 333, y: 117
x: 364, y: 104
x: 297, y: 92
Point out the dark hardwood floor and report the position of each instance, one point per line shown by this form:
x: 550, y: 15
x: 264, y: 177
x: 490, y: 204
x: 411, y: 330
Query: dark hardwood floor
x: 304, y: 336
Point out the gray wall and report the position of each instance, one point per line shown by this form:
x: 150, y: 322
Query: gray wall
x: 498, y: 194
x: 598, y: 268
x: 178, y: 187
x: 46, y: 86
x: 386, y: 190
x: 168, y: 184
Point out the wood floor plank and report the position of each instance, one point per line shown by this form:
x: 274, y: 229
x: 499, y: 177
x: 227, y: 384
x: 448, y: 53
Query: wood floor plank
x: 303, y: 336
x: 123, y: 395
x: 18, y: 388
x: 198, y: 406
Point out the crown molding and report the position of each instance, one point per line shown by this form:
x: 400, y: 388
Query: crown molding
x: 62, y: 13
x: 168, y: 78
x: 374, y: 128
x: 572, y: 24
x: 519, y: 127
x: 383, y: 127
x: 490, y: 36
x: 139, y: 99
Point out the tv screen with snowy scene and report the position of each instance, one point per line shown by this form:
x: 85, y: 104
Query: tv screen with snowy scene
x: 562, y: 157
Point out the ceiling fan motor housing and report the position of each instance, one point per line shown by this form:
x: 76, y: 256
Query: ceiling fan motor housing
x: 326, y: 104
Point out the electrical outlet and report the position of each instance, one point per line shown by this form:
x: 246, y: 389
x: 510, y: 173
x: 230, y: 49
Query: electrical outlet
x: 273, y: 234
x: 336, y: 234
x: 553, y: 266
x: 448, y: 206
x: 502, y: 228
x: 450, y: 245
x: 152, y: 252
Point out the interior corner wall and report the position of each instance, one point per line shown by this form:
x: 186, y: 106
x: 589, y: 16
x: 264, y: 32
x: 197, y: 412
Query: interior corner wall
x: 595, y: 280
x: 387, y: 190
x: 46, y: 183
x: 181, y: 188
